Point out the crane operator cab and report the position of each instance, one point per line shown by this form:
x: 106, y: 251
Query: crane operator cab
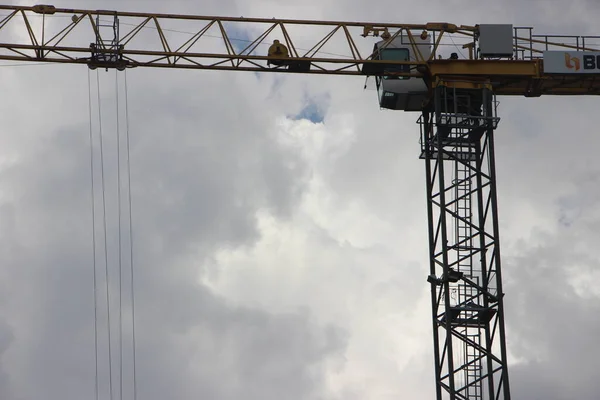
x: 400, y: 92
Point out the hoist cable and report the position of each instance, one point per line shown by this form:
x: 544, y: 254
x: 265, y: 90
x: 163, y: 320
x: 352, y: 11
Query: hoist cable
x: 130, y: 240
x: 105, y: 239
x: 120, y: 247
x: 93, y: 234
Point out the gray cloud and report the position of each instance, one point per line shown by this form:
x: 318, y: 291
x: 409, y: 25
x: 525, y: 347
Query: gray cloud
x: 552, y: 326
x: 232, y: 171
x: 196, y: 188
x: 550, y: 263
x: 6, y: 338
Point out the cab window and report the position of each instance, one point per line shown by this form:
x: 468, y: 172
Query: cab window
x: 395, y: 55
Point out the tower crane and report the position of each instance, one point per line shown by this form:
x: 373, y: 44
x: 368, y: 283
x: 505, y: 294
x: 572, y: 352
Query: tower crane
x: 455, y: 98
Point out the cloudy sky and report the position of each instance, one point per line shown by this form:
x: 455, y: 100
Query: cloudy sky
x: 279, y: 226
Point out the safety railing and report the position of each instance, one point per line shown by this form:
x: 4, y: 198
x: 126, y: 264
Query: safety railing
x: 529, y: 46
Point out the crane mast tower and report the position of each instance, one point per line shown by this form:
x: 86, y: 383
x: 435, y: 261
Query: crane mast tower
x: 457, y: 136
x: 454, y: 96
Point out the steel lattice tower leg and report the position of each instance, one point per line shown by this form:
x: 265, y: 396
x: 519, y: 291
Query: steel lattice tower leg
x: 457, y: 137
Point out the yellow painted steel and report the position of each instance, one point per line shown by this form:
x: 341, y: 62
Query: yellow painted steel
x: 489, y: 68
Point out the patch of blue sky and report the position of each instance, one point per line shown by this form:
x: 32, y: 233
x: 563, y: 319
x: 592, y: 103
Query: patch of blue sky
x: 240, y: 40
x: 314, y: 109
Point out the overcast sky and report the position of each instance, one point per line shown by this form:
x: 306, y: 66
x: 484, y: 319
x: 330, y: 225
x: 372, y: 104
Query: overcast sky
x: 279, y: 257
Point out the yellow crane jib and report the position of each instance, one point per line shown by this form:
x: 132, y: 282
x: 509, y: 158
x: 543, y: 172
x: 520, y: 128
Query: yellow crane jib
x: 512, y: 59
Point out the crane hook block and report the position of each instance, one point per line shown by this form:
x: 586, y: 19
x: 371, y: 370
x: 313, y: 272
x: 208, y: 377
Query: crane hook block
x: 278, y: 53
x: 44, y: 9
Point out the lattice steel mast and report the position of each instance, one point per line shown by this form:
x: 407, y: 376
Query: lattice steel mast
x: 457, y: 133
